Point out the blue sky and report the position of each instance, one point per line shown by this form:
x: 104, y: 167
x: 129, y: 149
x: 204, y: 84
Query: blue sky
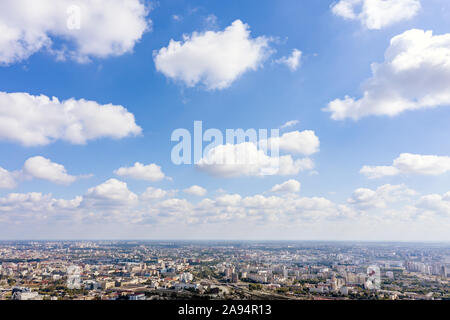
x: 337, y: 53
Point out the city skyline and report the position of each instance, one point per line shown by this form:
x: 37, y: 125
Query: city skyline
x: 152, y: 270
x: 94, y: 100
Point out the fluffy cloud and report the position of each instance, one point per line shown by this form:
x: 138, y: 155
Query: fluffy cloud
x: 273, y: 208
x: 174, y: 207
x: 414, y: 75
x: 408, y: 163
x: 228, y: 200
x: 365, y: 198
x: 40, y: 120
x: 111, y: 203
x: 42, y: 168
x: 293, y: 61
x: 375, y: 172
x: 110, y: 193
x: 304, y: 142
x: 31, y: 201
x: 37, y: 168
x: 435, y: 203
x: 110, y: 197
x: 196, y: 191
x: 289, y: 186
x: 151, y: 172
x: 114, y: 197
x: 36, y: 202
x: 376, y: 14
x: 153, y: 193
x: 107, y: 28
x: 213, y: 59
x: 68, y: 204
x: 7, y: 179
x: 245, y: 159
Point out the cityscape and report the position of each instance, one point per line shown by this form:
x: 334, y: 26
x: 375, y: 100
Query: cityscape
x: 219, y: 270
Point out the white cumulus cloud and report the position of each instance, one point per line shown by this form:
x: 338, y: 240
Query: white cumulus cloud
x: 292, y: 61
x: 380, y: 198
x: 289, y: 186
x: 414, y: 75
x: 195, y: 191
x: 408, y: 163
x: 33, y: 201
x: 153, y: 193
x: 376, y: 14
x: 435, y: 203
x: 40, y: 120
x: 375, y: 172
x: 213, y: 59
x: 304, y: 142
x: 86, y: 28
x: 110, y: 193
x: 37, y: 167
x: 245, y: 159
x: 43, y: 168
x: 228, y: 200
x: 111, y: 203
x: 139, y: 171
x: 7, y: 179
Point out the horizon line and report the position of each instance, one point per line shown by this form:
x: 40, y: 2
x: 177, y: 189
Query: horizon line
x: 235, y: 240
